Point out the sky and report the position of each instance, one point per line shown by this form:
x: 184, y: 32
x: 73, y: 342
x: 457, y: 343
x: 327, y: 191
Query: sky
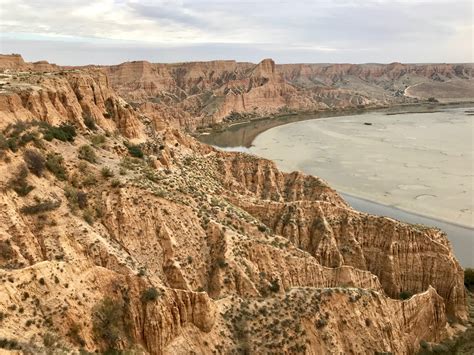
x: 80, y: 32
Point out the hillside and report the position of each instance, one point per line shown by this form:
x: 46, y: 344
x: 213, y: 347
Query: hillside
x: 200, y: 94
x: 120, y: 231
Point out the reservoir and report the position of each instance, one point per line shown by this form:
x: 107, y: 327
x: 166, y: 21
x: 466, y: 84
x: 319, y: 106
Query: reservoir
x: 414, y: 165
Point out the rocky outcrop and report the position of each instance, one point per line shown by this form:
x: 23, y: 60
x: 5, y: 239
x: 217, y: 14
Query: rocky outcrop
x: 67, y: 96
x: 200, y: 94
x: 226, y: 90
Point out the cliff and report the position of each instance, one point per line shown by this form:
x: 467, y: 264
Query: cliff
x: 227, y: 90
x: 66, y: 96
x: 129, y: 234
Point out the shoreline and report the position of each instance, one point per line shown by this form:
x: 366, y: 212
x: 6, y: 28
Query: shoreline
x: 403, y: 209
x: 223, y: 125
x: 238, y: 135
x: 264, y: 123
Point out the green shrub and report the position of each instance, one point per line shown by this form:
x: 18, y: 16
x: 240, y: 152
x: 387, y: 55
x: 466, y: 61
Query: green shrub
x: 98, y: 140
x: 9, y: 344
x: 65, y: 132
x: 274, y: 286
x: 54, y: 163
x: 134, y: 150
x: 404, y: 295
x: 115, y: 183
x: 76, y: 198
x: 151, y: 294
x: 34, y: 161
x: 3, y: 142
x: 469, y: 278
x: 18, y: 183
x: 108, y: 321
x: 89, y: 121
x: 106, y: 172
x: 87, y: 153
x: 40, y: 207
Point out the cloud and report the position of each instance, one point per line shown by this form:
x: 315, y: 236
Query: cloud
x: 407, y: 30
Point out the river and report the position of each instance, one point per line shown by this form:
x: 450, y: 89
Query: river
x: 414, y: 165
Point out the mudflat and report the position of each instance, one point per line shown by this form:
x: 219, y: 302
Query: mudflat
x: 419, y: 162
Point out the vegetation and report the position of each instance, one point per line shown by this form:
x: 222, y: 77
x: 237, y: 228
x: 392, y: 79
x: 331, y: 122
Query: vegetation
x: 17, y: 135
x: 19, y: 183
x: 134, y: 150
x: 40, y: 207
x: 34, y: 161
x: 106, y: 172
x: 89, y: 215
x: 54, y: 163
x: 469, y: 278
x: 151, y: 294
x: 405, y: 295
x: 89, y: 121
x: 108, y: 321
x: 98, y: 140
x: 87, y: 153
x: 65, y: 132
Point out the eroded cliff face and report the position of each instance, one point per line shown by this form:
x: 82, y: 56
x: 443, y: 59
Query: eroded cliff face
x: 192, y: 249
x: 227, y: 90
x: 67, y: 96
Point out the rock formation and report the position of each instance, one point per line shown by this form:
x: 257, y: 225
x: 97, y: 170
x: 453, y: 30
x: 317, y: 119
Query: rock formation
x: 126, y: 233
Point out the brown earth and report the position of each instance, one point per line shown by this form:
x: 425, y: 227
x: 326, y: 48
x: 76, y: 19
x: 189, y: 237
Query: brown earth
x: 189, y: 249
x: 201, y: 94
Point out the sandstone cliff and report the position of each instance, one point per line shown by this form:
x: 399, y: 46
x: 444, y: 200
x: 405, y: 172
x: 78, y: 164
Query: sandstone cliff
x: 226, y: 90
x: 169, y: 246
x: 67, y: 96
x: 201, y: 94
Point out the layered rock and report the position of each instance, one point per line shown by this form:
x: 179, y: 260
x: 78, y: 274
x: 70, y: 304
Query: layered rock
x: 67, y: 96
x: 192, y: 249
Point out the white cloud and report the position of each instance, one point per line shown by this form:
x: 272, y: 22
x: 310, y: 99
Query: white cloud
x: 410, y: 29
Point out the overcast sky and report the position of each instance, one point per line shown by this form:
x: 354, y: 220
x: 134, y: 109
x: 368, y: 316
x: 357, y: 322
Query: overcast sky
x: 357, y: 31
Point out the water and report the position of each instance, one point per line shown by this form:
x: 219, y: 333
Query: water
x: 414, y: 165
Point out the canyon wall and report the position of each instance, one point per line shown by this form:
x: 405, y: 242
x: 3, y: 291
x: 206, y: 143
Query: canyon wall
x: 150, y: 241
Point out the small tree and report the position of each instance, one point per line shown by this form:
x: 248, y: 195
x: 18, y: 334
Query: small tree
x: 108, y: 321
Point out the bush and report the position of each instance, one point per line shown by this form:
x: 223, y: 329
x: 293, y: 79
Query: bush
x: 151, y: 294
x: 89, y: 121
x: 88, y: 215
x: 87, y: 153
x: 98, y: 139
x: 115, y: 183
x: 274, y: 286
x: 34, y: 161
x: 134, y: 150
x: 106, y: 172
x: 19, y: 183
x: 107, y: 321
x: 64, y: 132
x: 404, y: 295
x: 54, y: 163
x: 40, y: 207
x: 9, y: 344
x: 321, y: 323
x: 469, y: 278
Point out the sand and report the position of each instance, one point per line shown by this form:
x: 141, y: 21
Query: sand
x: 418, y: 162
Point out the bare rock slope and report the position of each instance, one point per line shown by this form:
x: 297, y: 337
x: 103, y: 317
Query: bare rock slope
x: 116, y: 233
